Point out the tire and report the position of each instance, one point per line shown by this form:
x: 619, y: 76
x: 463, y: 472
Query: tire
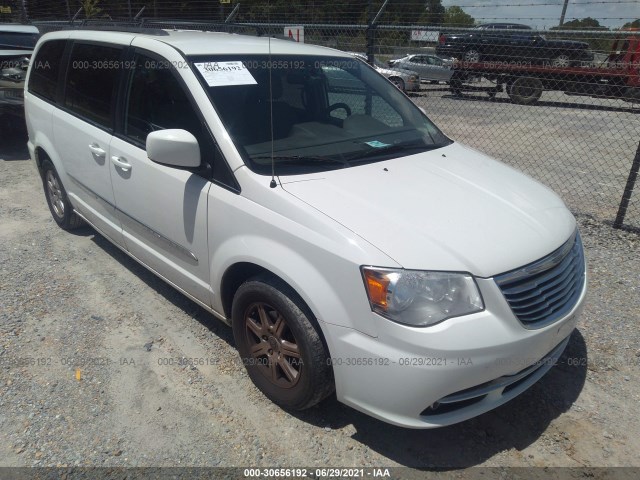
x: 398, y: 82
x: 561, y: 61
x: 525, y: 90
x: 456, y: 87
x: 471, y: 56
x: 280, y: 344
x: 57, y: 199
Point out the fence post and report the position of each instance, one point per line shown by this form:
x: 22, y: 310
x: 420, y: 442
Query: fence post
x: 370, y: 33
x: 628, y: 190
x: 24, y: 17
x: 371, y: 30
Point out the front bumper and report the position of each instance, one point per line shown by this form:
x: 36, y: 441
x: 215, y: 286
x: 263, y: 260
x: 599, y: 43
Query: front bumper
x: 463, y: 366
x: 412, y: 86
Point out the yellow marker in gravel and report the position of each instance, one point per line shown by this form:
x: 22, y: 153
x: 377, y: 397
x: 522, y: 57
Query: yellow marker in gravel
x: 78, y: 375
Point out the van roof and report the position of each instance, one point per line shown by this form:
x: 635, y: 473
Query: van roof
x: 15, y: 28
x: 192, y: 42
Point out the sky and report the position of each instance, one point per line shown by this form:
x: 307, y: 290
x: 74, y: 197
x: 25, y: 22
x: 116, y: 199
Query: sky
x: 610, y: 13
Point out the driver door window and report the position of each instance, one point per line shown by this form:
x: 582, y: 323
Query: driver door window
x: 157, y: 102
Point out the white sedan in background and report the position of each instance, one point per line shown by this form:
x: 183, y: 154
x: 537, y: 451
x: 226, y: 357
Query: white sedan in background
x: 429, y: 67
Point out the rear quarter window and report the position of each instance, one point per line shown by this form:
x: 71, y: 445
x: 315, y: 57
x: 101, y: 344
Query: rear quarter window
x: 19, y: 40
x: 45, y: 69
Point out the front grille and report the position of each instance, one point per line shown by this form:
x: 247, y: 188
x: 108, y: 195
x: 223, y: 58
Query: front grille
x: 544, y: 291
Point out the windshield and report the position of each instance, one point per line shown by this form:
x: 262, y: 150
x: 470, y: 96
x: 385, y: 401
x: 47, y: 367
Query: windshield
x: 328, y: 112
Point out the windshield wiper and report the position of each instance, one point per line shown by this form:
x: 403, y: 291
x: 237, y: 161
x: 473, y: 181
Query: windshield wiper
x: 295, y: 160
x: 373, y: 152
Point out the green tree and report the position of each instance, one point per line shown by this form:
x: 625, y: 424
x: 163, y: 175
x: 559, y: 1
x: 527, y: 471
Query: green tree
x: 455, y: 16
x: 91, y: 8
x: 634, y: 24
x: 583, y: 24
x: 433, y: 13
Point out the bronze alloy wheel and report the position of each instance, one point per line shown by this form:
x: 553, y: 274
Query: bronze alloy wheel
x: 280, y: 343
x: 272, y: 345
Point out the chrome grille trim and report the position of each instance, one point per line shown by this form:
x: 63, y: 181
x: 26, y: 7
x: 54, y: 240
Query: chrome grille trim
x: 544, y: 291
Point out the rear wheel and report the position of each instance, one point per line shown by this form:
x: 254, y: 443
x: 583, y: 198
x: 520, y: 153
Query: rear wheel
x: 57, y: 198
x: 280, y: 345
x: 456, y: 87
x: 525, y: 90
x: 561, y: 61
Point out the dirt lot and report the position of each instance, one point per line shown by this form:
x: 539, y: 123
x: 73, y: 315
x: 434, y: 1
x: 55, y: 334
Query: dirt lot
x: 86, y: 336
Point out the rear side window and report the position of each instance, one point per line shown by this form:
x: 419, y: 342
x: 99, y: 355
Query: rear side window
x: 91, y: 80
x: 19, y: 40
x: 45, y: 69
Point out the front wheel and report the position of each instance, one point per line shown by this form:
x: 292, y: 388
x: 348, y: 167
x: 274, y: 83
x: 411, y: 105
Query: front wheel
x: 280, y: 346
x: 398, y: 82
x: 471, y: 56
x: 57, y: 199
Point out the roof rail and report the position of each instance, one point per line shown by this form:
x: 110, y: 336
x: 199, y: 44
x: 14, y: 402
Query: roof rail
x: 113, y: 28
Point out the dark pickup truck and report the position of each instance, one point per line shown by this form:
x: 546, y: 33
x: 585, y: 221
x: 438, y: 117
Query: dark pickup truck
x: 522, y: 46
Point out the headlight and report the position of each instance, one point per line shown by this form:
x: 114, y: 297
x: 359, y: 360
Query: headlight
x: 421, y: 298
x: 413, y: 78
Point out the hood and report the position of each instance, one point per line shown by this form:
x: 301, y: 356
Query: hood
x: 449, y: 209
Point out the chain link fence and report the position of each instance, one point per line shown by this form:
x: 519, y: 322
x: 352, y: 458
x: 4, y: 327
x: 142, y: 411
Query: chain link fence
x: 561, y: 105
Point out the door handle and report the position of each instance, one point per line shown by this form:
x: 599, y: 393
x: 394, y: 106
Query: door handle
x: 97, y: 151
x: 121, y: 162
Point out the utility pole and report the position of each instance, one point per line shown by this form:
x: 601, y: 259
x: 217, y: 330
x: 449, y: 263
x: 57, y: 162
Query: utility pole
x: 564, y: 12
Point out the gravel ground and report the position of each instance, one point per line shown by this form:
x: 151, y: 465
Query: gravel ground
x: 85, y: 335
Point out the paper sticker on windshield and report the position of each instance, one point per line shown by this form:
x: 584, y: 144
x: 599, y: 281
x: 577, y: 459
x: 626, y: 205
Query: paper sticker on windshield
x: 223, y: 74
x: 377, y: 144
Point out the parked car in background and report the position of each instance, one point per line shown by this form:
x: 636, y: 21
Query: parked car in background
x: 502, y: 26
x: 513, y: 45
x: 430, y: 67
x: 405, y: 80
x: 16, y: 45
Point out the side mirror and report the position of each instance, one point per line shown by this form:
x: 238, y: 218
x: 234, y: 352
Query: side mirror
x: 173, y: 147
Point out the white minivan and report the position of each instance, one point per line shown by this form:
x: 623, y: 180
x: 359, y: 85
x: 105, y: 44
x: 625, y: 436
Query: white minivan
x: 300, y: 197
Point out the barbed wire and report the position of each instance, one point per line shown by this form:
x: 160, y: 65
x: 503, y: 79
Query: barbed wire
x: 547, y: 4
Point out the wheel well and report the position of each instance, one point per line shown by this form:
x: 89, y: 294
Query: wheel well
x: 235, y: 276
x: 41, y: 156
x: 239, y: 273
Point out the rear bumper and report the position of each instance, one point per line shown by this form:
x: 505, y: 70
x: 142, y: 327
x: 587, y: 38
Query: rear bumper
x: 12, y: 97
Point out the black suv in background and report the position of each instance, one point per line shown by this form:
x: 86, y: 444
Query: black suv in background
x: 512, y: 43
x: 16, y: 45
